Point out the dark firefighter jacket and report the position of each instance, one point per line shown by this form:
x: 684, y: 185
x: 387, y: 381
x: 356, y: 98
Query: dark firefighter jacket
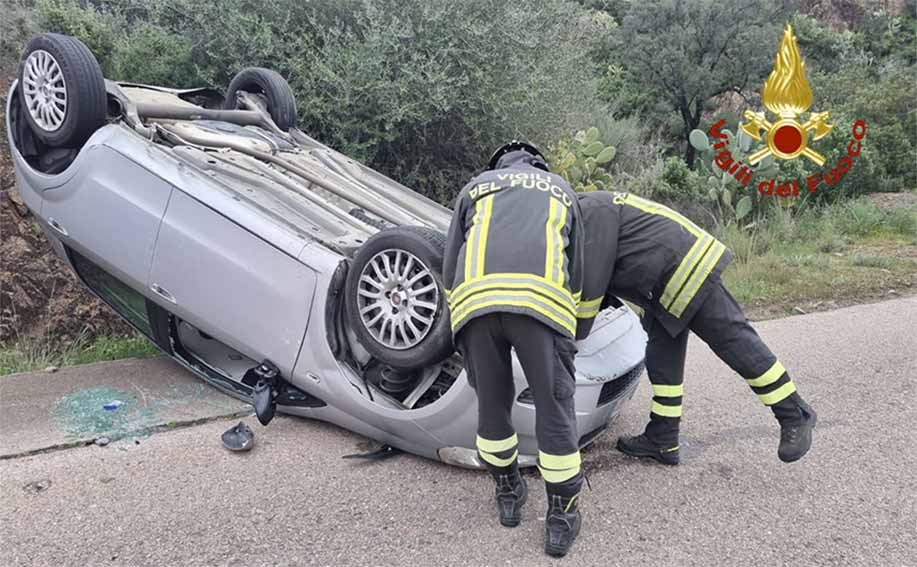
x: 648, y: 254
x: 514, y: 245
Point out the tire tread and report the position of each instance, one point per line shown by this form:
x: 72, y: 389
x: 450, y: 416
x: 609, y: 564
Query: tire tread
x: 280, y: 97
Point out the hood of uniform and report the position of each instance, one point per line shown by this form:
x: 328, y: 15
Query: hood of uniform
x: 520, y: 158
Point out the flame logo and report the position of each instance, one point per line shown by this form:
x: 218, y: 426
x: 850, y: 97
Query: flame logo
x: 786, y: 91
x: 787, y: 94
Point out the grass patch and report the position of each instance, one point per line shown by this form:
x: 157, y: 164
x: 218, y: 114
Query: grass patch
x: 830, y: 244
x: 28, y: 355
x: 843, y: 252
x: 866, y: 261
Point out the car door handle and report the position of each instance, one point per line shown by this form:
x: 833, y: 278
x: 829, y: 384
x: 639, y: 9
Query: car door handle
x: 163, y: 293
x: 57, y: 226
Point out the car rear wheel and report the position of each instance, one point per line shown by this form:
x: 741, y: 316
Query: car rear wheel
x: 62, y: 90
x: 279, y: 98
x: 394, y: 298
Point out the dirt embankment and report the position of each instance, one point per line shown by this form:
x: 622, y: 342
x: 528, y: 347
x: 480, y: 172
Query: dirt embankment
x: 39, y: 296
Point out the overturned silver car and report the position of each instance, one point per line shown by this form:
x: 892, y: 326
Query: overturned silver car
x: 256, y: 256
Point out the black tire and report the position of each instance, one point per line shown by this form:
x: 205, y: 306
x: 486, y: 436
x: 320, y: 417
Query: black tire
x: 281, y: 104
x: 84, y: 86
x: 427, y: 246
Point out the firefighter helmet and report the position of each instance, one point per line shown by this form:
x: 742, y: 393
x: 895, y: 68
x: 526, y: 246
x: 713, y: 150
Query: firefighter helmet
x: 518, y: 145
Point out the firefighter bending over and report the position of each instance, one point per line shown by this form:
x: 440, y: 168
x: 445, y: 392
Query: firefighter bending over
x: 512, y: 271
x: 652, y: 256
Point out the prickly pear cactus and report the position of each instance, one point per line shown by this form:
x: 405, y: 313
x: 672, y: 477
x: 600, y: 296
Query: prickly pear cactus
x: 582, y: 161
x: 723, y: 188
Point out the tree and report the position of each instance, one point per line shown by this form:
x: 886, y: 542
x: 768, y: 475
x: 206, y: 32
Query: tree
x: 686, y: 52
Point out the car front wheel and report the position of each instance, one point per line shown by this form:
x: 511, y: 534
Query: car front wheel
x: 394, y: 298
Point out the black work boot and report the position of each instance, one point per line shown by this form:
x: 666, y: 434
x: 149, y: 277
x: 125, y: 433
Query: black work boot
x: 642, y: 446
x: 797, y: 421
x: 563, y: 520
x: 511, y: 493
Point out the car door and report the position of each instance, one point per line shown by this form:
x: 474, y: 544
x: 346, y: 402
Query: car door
x: 230, y: 284
x: 109, y: 212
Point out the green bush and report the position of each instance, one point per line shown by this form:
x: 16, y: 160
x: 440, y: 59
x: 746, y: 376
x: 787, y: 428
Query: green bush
x: 629, y: 138
x: 425, y: 91
x: 97, y: 29
x: 17, y: 25
x: 151, y: 55
x: 422, y: 91
x: 679, y: 182
x: 645, y: 182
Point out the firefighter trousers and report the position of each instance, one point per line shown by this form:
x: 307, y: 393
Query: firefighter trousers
x: 547, y: 360
x: 721, y: 324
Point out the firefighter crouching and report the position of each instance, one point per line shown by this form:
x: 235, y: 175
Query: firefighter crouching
x: 652, y: 256
x: 512, y: 272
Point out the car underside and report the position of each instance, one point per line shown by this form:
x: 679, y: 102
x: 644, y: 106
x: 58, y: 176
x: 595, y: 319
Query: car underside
x: 274, y: 267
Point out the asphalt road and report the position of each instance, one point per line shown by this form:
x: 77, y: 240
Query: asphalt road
x: 178, y: 498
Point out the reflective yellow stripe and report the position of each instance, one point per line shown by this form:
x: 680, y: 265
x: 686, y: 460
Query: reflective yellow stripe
x: 677, y: 305
x: 661, y: 210
x: 550, y: 233
x: 777, y: 395
x: 670, y: 450
x: 482, y: 238
x: 589, y: 309
x: 474, y: 258
x: 559, y: 257
x: 561, y: 294
x: 497, y: 461
x: 570, y: 503
x: 549, y: 239
x: 558, y: 476
x: 513, y: 298
x: 695, y: 281
x: 495, y: 446
x: 772, y: 375
x: 665, y: 391
x: 456, y: 302
x: 587, y: 313
x: 577, y: 297
x: 471, y: 245
x: 559, y: 468
x: 557, y: 462
x: 564, y: 324
x: 512, y: 295
x: 666, y: 411
x: 684, y: 269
